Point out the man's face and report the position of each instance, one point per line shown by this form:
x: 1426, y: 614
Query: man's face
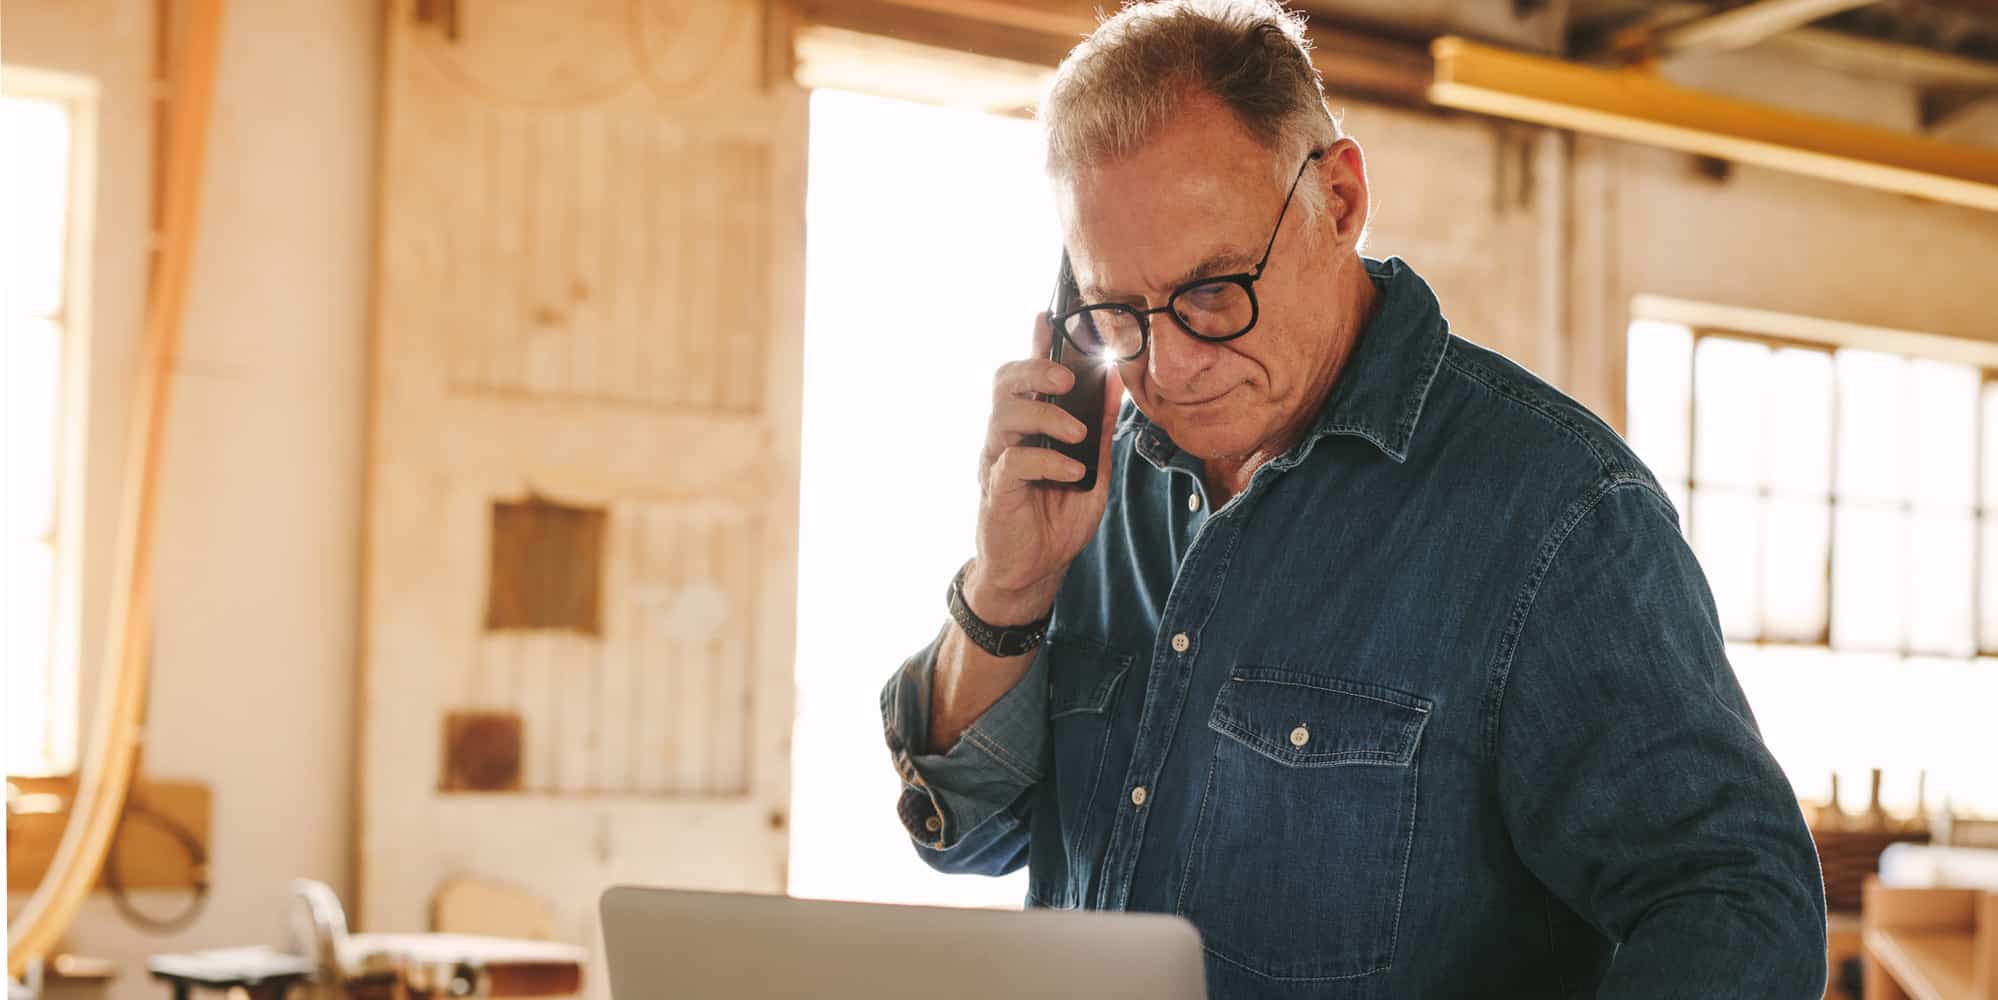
x: 1197, y: 201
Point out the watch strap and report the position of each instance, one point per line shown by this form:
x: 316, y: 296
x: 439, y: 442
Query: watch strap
x: 999, y: 640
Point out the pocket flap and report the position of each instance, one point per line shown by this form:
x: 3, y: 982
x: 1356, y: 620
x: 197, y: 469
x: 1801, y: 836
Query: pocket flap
x: 1309, y: 720
x: 1082, y: 675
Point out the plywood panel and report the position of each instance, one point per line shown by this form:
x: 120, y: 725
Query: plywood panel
x: 590, y: 289
x: 578, y: 215
x: 661, y: 703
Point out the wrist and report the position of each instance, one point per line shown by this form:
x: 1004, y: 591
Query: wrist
x: 1006, y: 606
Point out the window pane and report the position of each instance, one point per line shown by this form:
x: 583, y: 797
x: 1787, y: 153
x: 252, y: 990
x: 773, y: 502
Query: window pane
x: 24, y: 648
x: 1870, y: 579
x: 1658, y: 396
x: 34, y: 201
x: 1725, y: 536
x: 1987, y: 631
x: 1795, y: 588
x: 1990, y: 436
x: 1939, y: 611
x: 31, y: 356
x: 1944, y: 439
x: 1799, y: 394
x: 1729, y: 377
x: 1872, y: 425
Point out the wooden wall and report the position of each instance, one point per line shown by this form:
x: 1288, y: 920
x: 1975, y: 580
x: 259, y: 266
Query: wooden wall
x: 589, y: 296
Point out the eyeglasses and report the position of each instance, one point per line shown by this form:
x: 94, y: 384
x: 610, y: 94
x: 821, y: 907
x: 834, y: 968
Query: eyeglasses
x: 1212, y: 309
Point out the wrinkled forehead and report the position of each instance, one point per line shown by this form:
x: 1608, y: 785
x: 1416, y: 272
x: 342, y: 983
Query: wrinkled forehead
x: 1141, y: 226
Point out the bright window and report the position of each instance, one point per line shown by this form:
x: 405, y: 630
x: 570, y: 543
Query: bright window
x: 931, y: 243
x: 1844, y: 504
x: 45, y: 123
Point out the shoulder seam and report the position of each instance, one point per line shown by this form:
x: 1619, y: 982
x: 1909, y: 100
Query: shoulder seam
x: 1536, y: 406
x: 1500, y: 670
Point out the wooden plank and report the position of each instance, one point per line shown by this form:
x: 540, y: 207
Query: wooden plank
x: 1747, y: 24
x: 745, y: 334
x: 693, y: 670
x: 660, y: 284
x: 626, y: 284
x: 1887, y: 908
x: 612, y: 730
x: 552, y: 145
x: 1984, y: 960
x: 507, y: 242
x: 1898, y: 62
x: 657, y: 667
x: 1925, y: 965
x: 581, y: 672
x: 590, y: 331
x: 734, y: 693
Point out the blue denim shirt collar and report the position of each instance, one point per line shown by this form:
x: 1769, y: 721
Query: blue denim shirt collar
x: 1379, y: 395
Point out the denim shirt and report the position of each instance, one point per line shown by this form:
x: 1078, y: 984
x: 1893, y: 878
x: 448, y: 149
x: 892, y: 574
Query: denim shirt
x: 1437, y: 706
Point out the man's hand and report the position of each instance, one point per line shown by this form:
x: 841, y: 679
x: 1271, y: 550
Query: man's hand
x: 1028, y: 531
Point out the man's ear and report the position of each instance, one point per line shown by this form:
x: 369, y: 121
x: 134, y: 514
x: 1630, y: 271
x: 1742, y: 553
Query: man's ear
x: 1344, y: 177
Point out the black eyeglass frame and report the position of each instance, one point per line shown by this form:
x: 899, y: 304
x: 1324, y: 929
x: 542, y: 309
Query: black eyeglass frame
x: 1246, y: 280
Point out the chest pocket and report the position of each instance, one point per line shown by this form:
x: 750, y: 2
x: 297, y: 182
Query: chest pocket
x: 1300, y: 852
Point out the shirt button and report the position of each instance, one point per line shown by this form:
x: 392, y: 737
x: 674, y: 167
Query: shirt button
x: 1300, y: 736
x: 1180, y: 642
x: 1193, y: 501
x: 933, y: 824
x: 1138, y: 795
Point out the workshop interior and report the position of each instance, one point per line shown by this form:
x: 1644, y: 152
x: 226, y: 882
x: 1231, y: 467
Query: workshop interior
x: 464, y: 455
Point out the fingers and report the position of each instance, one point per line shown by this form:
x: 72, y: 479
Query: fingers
x: 1019, y: 467
x: 1014, y: 420
x: 1023, y: 379
x: 1019, y: 389
x: 1033, y: 374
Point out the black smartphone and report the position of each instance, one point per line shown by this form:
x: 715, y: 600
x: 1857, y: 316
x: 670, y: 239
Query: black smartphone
x: 1084, y: 401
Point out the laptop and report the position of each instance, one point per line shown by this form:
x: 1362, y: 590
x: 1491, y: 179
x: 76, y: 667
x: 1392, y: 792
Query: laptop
x: 672, y: 945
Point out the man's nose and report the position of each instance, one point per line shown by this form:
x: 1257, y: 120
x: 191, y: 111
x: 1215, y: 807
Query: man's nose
x: 1177, y: 357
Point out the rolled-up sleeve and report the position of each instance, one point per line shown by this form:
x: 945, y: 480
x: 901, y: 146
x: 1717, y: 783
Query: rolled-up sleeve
x: 966, y: 809
x: 1633, y: 779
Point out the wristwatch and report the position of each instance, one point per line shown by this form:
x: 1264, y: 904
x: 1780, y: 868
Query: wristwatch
x: 999, y: 640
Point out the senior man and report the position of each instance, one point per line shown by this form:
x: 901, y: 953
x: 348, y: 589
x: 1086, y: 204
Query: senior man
x: 1372, y: 654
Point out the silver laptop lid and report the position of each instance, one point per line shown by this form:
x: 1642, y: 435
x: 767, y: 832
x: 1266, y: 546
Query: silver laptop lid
x: 673, y: 945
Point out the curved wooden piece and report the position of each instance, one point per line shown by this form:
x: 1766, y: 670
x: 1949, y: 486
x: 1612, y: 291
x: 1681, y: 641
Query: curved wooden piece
x: 114, y: 734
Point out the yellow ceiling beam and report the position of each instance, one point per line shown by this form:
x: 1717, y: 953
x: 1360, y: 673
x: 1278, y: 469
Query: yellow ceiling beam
x: 1635, y: 105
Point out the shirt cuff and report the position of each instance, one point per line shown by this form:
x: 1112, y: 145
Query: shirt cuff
x: 946, y: 796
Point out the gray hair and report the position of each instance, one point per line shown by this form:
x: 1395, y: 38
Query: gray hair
x: 1125, y: 81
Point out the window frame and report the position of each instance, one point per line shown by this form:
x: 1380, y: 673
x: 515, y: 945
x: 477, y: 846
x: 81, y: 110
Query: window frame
x: 1779, y: 331
x: 79, y: 96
